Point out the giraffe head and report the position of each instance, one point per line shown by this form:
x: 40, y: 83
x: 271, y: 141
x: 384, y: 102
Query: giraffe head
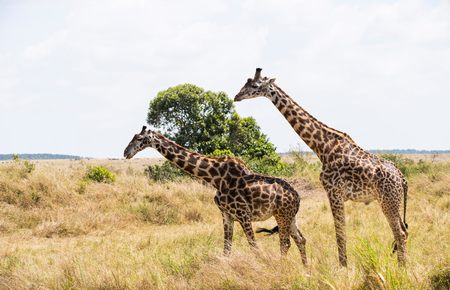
x: 140, y: 141
x: 256, y: 87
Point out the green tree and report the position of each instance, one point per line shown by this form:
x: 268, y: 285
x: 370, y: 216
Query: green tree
x: 192, y: 117
x: 246, y: 139
x: 207, y: 122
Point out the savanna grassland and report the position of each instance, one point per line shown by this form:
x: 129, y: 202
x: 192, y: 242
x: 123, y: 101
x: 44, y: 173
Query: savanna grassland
x: 59, y: 230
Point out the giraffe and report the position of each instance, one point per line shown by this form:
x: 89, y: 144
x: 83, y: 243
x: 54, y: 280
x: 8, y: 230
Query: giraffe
x: 241, y: 195
x: 348, y: 172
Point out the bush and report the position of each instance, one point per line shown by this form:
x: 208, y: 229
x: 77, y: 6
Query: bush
x: 402, y: 163
x: 164, y: 172
x: 82, y: 186
x: 267, y: 164
x: 421, y: 167
x: 271, y: 165
x: 407, y: 166
x: 29, y: 167
x: 16, y: 157
x: 100, y: 174
x: 440, y: 279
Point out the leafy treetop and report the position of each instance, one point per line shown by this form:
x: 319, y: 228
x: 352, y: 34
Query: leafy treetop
x: 207, y: 121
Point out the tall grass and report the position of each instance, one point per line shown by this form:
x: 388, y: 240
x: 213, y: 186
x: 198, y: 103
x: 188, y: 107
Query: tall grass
x: 59, y: 232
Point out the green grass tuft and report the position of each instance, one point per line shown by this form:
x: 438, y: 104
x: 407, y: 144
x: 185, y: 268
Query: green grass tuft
x: 100, y: 174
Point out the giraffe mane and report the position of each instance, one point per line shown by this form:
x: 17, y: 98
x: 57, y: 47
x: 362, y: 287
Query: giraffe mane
x: 233, y: 159
x: 337, y: 132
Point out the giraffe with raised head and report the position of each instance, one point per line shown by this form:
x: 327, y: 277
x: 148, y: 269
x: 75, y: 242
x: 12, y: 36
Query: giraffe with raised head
x: 241, y: 196
x: 348, y: 172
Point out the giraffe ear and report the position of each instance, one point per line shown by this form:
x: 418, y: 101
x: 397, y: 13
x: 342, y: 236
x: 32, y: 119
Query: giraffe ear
x: 143, y: 129
x: 271, y: 81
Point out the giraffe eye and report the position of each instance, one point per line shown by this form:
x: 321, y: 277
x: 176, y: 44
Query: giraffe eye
x: 254, y: 86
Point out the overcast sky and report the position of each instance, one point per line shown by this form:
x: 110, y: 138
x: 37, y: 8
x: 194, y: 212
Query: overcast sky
x: 76, y: 76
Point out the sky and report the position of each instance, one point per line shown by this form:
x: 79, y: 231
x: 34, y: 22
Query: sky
x: 76, y: 77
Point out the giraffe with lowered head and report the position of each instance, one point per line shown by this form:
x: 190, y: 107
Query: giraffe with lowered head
x: 348, y: 172
x: 241, y: 196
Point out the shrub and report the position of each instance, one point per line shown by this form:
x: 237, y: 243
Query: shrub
x: 100, y: 174
x: 402, y: 163
x: 440, y: 279
x: 407, y: 166
x: 28, y: 166
x: 266, y: 164
x: 422, y: 167
x: 164, y: 172
x: 271, y: 165
x: 16, y: 157
x: 35, y: 197
x: 82, y: 186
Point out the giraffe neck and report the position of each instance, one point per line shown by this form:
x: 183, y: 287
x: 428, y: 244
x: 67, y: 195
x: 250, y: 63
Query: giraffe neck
x: 215, y: 171
x: 314, y: 133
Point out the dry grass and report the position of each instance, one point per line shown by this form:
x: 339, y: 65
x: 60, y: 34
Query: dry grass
x: 60, y: 232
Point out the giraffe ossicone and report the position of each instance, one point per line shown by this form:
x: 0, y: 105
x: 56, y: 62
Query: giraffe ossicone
x: 242, y: 195
x: 348, y: 171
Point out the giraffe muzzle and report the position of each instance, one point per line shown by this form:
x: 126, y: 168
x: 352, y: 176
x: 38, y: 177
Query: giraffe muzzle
x: 238, y: 98
x: 127, y: 154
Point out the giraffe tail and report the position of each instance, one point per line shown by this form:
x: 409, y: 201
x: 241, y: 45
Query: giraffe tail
x: 405, y: 198
x: 268, y: 231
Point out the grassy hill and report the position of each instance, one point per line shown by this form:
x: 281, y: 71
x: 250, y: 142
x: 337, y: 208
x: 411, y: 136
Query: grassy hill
x: 60, y: 231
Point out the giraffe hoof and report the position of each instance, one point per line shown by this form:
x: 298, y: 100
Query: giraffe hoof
x: 343, y: 263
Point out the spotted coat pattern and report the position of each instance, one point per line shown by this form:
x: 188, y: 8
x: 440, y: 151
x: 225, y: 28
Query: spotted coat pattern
x: 241, y: 196
x: 348, y: 172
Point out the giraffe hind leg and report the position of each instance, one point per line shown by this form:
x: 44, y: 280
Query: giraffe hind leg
x: 285, y: 242
x: 391, y: 209
x: 300, y: 241
x: 405, y: 230
x: 284, y: 232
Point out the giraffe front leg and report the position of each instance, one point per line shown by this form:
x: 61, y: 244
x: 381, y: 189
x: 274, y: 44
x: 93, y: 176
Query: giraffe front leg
x: 337, y: 209
x: 228, y: 226
x: 248, y: 230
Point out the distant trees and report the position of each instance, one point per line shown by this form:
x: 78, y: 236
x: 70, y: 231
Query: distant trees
x: 38, y: 156
x: 207, y: 122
